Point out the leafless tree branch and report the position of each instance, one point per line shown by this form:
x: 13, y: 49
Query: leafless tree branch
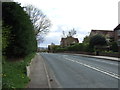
x: 40, y: 21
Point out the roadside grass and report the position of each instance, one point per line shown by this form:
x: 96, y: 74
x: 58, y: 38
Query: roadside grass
x: 14, y: 73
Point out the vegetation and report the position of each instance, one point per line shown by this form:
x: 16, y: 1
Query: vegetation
x: 18, y: 43
x: 14, y: 73
x: 22, y: 39
x: 5, y: 38
x: 40, y: 22
x: 97, y: 40
x: 74, y: 47
x: 59, y: 49
x: 86, y: 40
x: 70, y: 33
x: 86, y: 44
x: 114, y: 47
x: 95, y: 43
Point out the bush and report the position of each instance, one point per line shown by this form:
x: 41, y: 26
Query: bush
x: 97, y: 40
x: 76, y: 47
x: 79, y: 47
x: 114, y: 47
x: 5, y: 38
x: 23, y: 40
x: 59, y: 49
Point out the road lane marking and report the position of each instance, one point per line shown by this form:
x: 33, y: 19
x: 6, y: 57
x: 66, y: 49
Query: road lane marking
x: 98, y: 60
x: 96, y: 69
x: 105, y: 62
x: 101, y: 69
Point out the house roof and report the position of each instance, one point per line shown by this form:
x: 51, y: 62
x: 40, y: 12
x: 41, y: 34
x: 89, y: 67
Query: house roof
x: 105, y: 32
x: 118, y: 27
x: 102, y: 30
x: 62, y: 39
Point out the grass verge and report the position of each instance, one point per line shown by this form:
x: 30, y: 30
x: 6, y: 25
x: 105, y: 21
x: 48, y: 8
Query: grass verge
x: 14, y: 73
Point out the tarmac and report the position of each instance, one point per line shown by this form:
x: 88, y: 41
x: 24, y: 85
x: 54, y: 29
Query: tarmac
x: 41, y: 76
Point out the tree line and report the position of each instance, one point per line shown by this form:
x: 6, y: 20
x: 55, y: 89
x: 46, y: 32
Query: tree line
x: 21, y: 30
x: 18, y: 33
x: 96, y: 43
x: 19, y: 42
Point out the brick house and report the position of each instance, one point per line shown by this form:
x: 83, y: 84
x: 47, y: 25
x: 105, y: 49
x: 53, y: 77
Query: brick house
x: 68, y: 41
x: 108, y: 34
x: 117, y: 34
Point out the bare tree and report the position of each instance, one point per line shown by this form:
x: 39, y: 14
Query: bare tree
x: 40, y: 21
x: 70, y: 33
x: 40, y: 38
x: 63, y: 34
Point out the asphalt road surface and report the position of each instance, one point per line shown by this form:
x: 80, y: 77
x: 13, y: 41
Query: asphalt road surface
x: 74, y: 71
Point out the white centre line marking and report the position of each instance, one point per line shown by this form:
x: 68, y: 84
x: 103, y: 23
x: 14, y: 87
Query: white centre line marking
x: 96, y: 68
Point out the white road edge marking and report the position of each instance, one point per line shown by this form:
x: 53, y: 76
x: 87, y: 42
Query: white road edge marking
x: 106, y: 62
x: 48, y: 78
x: 99, y: 61
x: 94, y: 68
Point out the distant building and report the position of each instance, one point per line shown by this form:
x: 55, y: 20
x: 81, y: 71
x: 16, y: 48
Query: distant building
x: 117, y: 34
x: 109, y: 35
x: 52, y: 47
x: 68, y: 41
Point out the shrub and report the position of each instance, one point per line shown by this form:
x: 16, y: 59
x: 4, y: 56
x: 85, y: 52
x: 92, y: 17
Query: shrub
x: 114, y: 47
x: 59, y: 49
x: 5, y: 38
x: 22, y: 41
x: 97, y: 40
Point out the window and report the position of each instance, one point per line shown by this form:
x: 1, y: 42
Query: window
x: 118, y: 42
x: 118, y: 32
x: 73, y: 42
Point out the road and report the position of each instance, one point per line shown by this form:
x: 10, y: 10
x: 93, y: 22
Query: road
x: 75, y: 71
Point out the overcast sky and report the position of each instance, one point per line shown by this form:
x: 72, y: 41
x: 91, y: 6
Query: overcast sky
x: 83, y: 15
